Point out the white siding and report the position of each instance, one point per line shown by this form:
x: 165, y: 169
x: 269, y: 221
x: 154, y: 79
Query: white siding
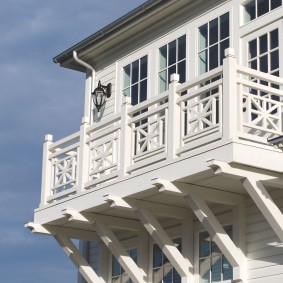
x: 264, y: 253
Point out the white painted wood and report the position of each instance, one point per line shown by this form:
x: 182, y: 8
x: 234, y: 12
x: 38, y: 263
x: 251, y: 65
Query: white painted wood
x: 73, y: 253
x: 234, y: 255
x: 164, y: 242
x: 266, y: 205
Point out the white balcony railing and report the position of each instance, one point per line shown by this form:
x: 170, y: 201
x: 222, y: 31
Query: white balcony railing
x: 228, y: 102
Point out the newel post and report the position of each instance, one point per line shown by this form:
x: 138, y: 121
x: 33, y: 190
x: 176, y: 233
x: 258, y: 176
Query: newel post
x: 125, y: 155
x: 174, y: 118
x: 46, y: 171
x: 83, y: 155
x: 230, y: 95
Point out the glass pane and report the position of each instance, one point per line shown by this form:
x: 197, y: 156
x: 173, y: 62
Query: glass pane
x: 262, y: 7
x: 216, y: 269
x: 249, y: 11
x: 226, y: 269
x: 263, y: 64
x: 224, y: 26
x: 204, y: 270
x: 274, y: 39
x: 213, y: 57
x: 134, y: 254
x: 116, y: 267
x: 214, y: 249
x: 116, y: 280
x: 168, y: 272
x: 203, y: 62
x: 143, y: 71
x: 182, y: 71
x: 229, y: 231
x: 223, y: 45
x: 253, y: 64
x: 252, y: 49
x: 157, y: 275
x: 135, y: 71
x: 162, y: 81
x: 263, y: 44
x: 275, y: 4
x: 163, y: 57
x: 135, y: 94
x: 176, y: 276
x: 204, y: 244
x: 213, y: 31
x: 143, y: 91
x: 172, y: 52
x: 203, y: 37
x: 127, y: 76
x: 181, y: 48
x: 127, y: 92
x: 157, y: 256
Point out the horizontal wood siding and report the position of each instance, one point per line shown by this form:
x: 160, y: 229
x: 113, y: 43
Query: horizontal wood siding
x: 264, y: 252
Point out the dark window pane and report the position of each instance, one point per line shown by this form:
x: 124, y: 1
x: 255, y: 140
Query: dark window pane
x: 263, y: 44
x: 182, y: 71
x: 181, y: 48
x: 157, y: 256
x: 224, y: 26
x: 263, y: 63
x: 262, y: 7
x: 203, y: 37
x: 135, y: 94
x: 204, y: 244
x: 176, y: 276
x: 171, y: 70
x: 116, y: 267
x: 227, y: 269
x: 216, y: 269
x: 143, y: 72
x: 163, y: 57
x: 172, y: 52
x: 213, y: 57
x: 253, y: 64
x: 274, y: 60
x: 249, y: 11
x: 275, y: 4
x: 143, y: 91
x: 213, y: 31
x: 223, y: 45
x: 274, y: 39
x: 135, y: 71
x: 252, y: 49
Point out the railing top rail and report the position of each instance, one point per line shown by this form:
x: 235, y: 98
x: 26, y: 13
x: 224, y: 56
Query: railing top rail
x: 64, y: 141
x: 148, y: 103
x: 260, y: 75
x: 106, y: 122
x: 199, y: 79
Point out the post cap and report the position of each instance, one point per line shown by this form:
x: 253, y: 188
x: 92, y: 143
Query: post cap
x: 174, y: 78
x: 48, y: 138
x: 85, y: 120
x: 126, y: 100
x: 229, y: 52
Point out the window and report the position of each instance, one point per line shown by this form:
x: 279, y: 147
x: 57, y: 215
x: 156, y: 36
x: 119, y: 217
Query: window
x: 135, y: 80
x: 263, y: 55
x: 213, y: 266
x: 163, y: 271
x: 257, y: 8
x: 118, y: 273
x: 213, y: 40
x: 172, y: 59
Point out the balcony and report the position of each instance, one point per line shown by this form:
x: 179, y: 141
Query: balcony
x: 230, y: 104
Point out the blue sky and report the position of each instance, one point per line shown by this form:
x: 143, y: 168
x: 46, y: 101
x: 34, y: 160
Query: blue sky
x: 37, y: 97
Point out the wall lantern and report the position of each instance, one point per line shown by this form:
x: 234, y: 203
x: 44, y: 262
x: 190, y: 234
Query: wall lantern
x: 100, y: 94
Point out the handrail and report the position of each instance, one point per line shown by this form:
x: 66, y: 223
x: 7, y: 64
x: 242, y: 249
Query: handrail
x: 64, y: 141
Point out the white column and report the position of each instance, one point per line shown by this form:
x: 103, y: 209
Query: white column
x: 230, y: 95
x: 174, y: 118
x: 46, y: 171
x: 126, y: 138
x: 83, y: 159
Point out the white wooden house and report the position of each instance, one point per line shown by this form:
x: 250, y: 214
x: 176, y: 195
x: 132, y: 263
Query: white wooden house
x: 174, y: 179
